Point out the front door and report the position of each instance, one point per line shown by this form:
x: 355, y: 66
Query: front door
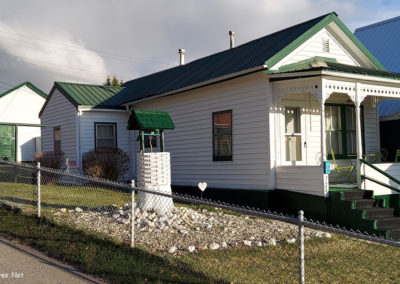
x: 7, y: 143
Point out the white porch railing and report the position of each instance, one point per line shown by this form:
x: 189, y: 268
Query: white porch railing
x: 303, y: 179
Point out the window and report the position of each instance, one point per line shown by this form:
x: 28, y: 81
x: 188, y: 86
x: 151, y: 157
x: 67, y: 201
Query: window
x: 57, y: 139
x: 222, y: 135
x: 340, y: 128
x: 105, y: 135
x: 293, y: 134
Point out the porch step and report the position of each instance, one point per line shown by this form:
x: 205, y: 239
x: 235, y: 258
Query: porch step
x: 394, y: 235
x: 377, y: 213
x: 367, y: 203
x: 357, y: 194
x: 388, y: 223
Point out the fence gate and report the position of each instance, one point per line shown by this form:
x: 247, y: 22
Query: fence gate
x: 7, y: 143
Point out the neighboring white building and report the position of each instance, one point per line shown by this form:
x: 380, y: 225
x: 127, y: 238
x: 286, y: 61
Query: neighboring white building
x: 260, y: 116
x: 19, y: 122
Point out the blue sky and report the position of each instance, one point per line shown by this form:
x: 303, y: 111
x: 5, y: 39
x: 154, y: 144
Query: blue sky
x: 43, y: 41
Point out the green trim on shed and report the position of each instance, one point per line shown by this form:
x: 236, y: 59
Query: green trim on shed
x: 149, y: 120
x: 29, y: 85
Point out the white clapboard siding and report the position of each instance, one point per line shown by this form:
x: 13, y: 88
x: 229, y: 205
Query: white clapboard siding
x: 27, y: 142
x: 302, y: 179
x: 21, y: 106
x: 190, y: 143
x: 392, y: 169
x: 371, y: 130
x: 59, y: 111
x: 125, y: 138
x: 313, y: 47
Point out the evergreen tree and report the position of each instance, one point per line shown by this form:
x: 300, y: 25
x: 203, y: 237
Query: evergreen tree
x: 113, y: 82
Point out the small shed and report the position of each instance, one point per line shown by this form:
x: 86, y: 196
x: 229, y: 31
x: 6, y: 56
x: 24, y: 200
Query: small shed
x: 150, y: 123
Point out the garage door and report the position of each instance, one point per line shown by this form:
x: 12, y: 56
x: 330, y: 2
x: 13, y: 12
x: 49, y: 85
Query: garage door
x: 7, y: 142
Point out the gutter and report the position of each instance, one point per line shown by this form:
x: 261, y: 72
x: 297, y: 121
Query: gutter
x: 297, y: 75
x: 200, y: 85
x: 96, y: 109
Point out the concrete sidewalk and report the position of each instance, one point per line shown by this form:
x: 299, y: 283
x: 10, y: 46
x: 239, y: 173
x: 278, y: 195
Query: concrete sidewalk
x: 22, y: 264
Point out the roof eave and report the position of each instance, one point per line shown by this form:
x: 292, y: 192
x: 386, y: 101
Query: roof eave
x: 199, y: 85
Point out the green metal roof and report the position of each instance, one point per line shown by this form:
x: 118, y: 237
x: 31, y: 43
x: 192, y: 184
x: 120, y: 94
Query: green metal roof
x: 320, y: 63
x: 267, y: 50
x: 149, y: 120
x: 28, y: 84
x: 92, y: 95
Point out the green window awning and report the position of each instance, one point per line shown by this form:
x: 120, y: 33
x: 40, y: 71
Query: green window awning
x: 149, y: 120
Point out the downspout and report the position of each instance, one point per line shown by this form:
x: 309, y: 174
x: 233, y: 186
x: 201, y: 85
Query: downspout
x: 78, y: 138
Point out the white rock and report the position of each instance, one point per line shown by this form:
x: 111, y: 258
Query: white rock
x: 291, y: 241
x: 191, y: 248
x: 63, y: 210
x: 57, y: 213
x: 214, y: 246
x: 172, y: 249
x: 327, y: 235
x: 272, y: 242
x: 247, y: 243
x: 319, y: 234
x: 121, y: 212
x: 259, y: 244
x: 115, y: 216
x: 252, y: 238
x: 224, y: 245
x: 208, y: 226
x: 70, y: 211
x: 77, y: 209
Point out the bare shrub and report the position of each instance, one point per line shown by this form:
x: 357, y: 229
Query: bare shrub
x: 107, y: 163
x: 53, y: 160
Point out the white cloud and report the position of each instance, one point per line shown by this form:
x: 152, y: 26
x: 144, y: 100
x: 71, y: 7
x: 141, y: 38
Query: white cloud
x: 59, y: 55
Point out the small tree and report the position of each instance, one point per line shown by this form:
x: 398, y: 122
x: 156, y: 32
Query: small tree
x: 113, y: 82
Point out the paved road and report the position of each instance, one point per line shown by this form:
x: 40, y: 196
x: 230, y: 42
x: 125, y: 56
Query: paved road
x: 22, y: 264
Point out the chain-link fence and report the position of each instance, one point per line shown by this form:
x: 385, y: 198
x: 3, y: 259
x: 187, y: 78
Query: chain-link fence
x: 222, y: 242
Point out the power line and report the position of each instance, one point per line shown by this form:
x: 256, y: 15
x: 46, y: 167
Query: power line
x: 77, y: 48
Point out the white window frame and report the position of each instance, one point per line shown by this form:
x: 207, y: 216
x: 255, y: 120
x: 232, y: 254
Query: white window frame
x: 96, y: 124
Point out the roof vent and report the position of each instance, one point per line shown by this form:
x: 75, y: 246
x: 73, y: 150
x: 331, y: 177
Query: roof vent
x: 181, y: 57
x: 232, y: 38
x: 325, y: 45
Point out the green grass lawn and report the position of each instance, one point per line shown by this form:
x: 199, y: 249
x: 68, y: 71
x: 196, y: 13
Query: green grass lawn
x: 339, y: 259
x: 64, y: 196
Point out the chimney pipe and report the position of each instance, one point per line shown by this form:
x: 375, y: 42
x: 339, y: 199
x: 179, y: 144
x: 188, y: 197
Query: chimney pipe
x: 232, y: 38
x: 181, y: 57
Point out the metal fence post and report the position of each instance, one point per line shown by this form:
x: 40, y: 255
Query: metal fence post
x: 301, y: 247
x: 38, y: 188
x: 132, y: 214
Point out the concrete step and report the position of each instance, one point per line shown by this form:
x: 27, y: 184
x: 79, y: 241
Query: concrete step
x: 378, y: 213
x: 367, y: 203
x: 388, y: 223
x: 394, y: 235
x: 357, y: 194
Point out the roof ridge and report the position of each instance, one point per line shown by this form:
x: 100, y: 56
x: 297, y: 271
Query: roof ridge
x: 384, y: 22
x: 29, y: 85
x: 83, y: 84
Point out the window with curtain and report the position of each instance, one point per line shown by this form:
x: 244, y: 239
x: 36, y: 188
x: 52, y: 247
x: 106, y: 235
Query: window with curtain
x: 340, y: 127
x: 293, y: 134
x: 57, y: 139
x: 105, y: 135
x: 222, y: 135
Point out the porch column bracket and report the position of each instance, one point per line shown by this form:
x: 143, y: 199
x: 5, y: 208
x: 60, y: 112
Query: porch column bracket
x: 358, y: 132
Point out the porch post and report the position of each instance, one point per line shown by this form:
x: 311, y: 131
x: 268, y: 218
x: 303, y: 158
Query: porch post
x: 323, y: 134
x: 358, y: 134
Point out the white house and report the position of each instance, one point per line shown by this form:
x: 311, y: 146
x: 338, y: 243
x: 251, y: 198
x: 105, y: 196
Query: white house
x: 261, y: 116
x: 81, y: 117
x: 19, y: 122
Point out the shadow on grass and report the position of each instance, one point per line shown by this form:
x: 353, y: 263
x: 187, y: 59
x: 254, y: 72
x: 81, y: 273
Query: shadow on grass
x: 96, y: 255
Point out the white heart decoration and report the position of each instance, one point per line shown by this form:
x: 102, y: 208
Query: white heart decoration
x: 202, y: 186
